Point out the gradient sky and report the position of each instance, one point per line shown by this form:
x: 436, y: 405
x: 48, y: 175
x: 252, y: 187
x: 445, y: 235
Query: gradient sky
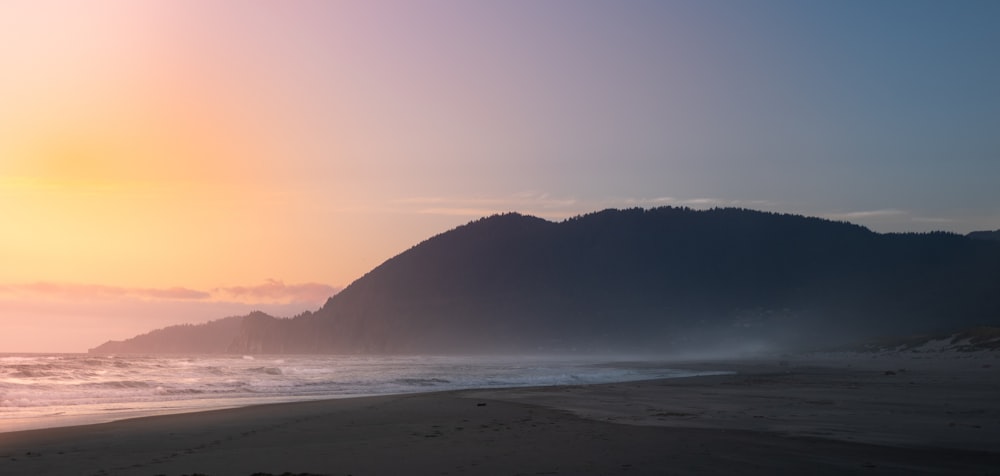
x: 178, y: 161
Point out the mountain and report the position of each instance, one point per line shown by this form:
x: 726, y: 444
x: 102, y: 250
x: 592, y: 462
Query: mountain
x: 209, y: 338
x: 985, y: 235
x: 646, y: 280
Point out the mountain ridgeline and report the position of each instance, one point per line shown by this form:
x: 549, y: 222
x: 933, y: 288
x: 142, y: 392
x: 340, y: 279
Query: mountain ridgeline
x: 645, y: 281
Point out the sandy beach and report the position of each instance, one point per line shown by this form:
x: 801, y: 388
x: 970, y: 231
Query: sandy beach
x: 825, y: 416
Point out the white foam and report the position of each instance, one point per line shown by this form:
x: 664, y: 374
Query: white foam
x: 63, y: 389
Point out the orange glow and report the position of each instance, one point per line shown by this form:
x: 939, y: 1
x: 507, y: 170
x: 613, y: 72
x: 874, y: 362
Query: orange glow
x: 118, y: 195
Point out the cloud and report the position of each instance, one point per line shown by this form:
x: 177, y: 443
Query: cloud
x: 549, y: 206
x: 891, y: 220
x: 868, y: 214
x: 276, y: 291
x: 462, y: 212
x: 72, y: 317
x: 534, y: 198
x: 270, y: 292
x: 43, y: 324
x: 531, y: 202
x: 74, y: 291
x: 702, y: 202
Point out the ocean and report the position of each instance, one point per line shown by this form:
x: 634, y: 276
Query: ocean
x: 51, y: 390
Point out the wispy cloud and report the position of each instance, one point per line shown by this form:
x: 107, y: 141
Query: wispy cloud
x: 533, y: 198
x: 460, y: 211
x: 888, y: 220
x: 535, y: 203
x: 698, y: 202
x: 274, y: 290
x: 99, y: 291
x: 868, y: 214
x: 270, y: 292
x: 551, y: 206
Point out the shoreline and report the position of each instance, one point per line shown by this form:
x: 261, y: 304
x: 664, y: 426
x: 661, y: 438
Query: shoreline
x: 830, y: 417
x: 196, y: 398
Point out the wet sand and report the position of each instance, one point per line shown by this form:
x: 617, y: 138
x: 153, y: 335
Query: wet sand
x: 823, y: 417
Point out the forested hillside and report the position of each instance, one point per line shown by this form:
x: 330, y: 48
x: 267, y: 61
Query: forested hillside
x: 647, y: 281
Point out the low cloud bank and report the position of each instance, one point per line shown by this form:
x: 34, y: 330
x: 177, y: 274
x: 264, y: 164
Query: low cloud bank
x: 271, y: 291
x: 73, y: 317
x: 274, y: 290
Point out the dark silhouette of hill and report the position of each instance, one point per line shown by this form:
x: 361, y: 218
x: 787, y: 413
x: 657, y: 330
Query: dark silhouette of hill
x: 656, y: 280
x: 209, y: 338
x: 985, y: 235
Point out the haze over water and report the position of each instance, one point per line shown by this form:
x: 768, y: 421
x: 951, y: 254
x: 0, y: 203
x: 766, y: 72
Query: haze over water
x: 38, y: 391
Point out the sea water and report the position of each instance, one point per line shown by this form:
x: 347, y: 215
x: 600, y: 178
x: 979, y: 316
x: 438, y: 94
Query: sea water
x: 39, y: 391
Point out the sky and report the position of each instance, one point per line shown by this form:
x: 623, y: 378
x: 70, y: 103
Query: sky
x: 166, y: 162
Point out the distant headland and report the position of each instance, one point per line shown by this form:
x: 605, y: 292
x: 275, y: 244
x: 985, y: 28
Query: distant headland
x: 656, y: 280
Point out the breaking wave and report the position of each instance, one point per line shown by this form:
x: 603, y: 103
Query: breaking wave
x: 50, y: 390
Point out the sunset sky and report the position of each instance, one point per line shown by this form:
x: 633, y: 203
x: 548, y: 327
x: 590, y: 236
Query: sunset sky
x: 179, y: 161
